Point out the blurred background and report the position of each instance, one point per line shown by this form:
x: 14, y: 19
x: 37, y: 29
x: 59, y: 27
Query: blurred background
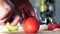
x: 36, y: 5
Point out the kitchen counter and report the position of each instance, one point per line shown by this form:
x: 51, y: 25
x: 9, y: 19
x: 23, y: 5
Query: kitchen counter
x: 21, y: 31
x: 41, y: 32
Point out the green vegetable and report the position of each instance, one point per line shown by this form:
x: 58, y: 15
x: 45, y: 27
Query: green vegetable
x: 43, y: 8
x: 42, y: 2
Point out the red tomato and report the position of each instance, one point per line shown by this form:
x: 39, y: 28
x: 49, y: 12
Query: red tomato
x: 30, y: 25
x: 57, y: 25
x: 51, y: 27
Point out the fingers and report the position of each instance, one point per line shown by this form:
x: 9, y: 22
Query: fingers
x: 2, y: 22
x: 25, y: 7
x: 15, y: 21
x: 32, y: 13
x: 29, y: 10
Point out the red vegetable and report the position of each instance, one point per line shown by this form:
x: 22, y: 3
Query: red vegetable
x: 57, y: 25
x: 30, y: 25
x: 53, y: 26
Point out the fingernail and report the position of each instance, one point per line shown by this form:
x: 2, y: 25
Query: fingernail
x: 12, y: 24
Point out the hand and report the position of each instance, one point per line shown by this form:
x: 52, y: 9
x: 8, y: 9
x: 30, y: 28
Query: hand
x: 24, y: 7
x: 6, y: 11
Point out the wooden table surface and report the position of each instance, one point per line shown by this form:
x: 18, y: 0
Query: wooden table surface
x: 41, y: 32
